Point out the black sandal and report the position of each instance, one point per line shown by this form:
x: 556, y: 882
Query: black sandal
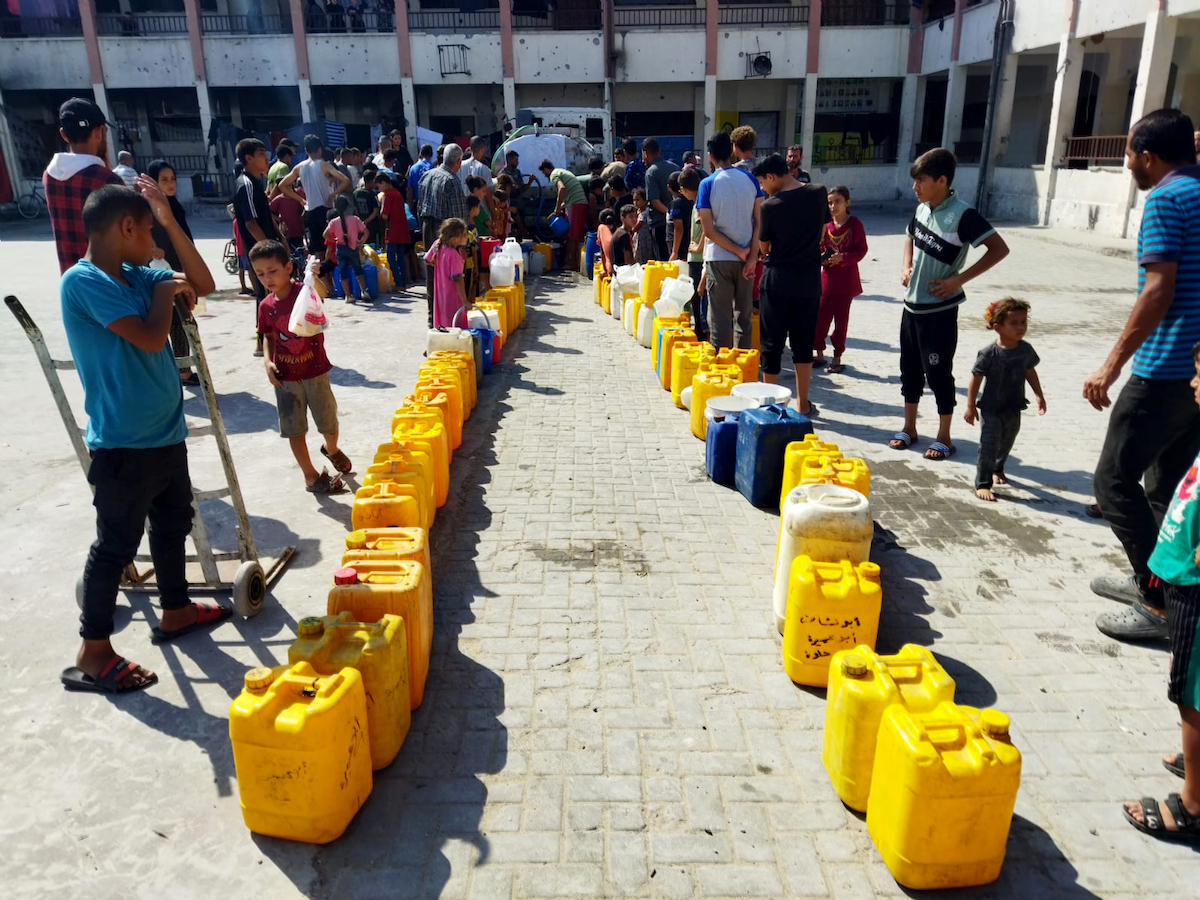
x: 326, y: 485
x: 340, y: 460
x: 1174, y: 766
x: 109, y: 679
x: 1187, y: 826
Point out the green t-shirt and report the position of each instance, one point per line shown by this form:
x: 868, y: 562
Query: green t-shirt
x: 574, y: 188
x: 940, y: 240
x: 697, y: 234
x: 276, y: 173
x: 483, y: 223
x: 1174, y: 556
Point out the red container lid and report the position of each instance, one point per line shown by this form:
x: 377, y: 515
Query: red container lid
x: 345, y: 576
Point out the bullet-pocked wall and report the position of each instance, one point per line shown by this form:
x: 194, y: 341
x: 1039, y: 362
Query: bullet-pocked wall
x: 560, y: 95
x: 374, y: 60
x: 33, y: 64
x: 573, y: 57
x: 455, y: 111
x: 787, y: 48
x: 663, y: 55
x: 138, y: 62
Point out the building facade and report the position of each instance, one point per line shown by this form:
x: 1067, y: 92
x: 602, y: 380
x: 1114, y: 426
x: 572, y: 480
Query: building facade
x: 1033, y: 95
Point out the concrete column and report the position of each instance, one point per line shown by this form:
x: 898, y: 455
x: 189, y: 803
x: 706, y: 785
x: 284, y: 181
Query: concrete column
x: 787, y: 120
x: 710, y: 106
x: 205, y: 104
x: 910, y: 112
x: 300, y: 45
x: 510, y: 99
x: 1004, y: 109
x: 1062, y: 114
x: 307, y: 113
x: 699, y: 126
x: 808, y: 125
x: 956, y: 92
x: 101, y: 95
x: 408, y: 97
x: 10, y: 156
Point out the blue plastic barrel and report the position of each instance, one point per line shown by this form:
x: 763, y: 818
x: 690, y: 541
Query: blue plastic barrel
x: 487, y: 340
x: 371, y: 277
x: 591, y: 248
x: 762, y: 439
x: 720, y: 451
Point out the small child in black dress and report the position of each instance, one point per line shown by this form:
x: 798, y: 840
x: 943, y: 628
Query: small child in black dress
x: 1007, y: 365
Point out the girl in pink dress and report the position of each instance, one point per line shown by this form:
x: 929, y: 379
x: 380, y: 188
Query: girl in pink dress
x: 843, y: 245
x: 449, y: 290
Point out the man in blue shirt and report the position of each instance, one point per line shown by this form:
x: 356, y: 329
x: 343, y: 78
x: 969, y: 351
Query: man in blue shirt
x: 419, y: 168
x: 1154, y: 427
x: 117, y: 313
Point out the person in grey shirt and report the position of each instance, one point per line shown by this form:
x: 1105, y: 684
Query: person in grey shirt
x: 440, y: 197
x: 658, y: 195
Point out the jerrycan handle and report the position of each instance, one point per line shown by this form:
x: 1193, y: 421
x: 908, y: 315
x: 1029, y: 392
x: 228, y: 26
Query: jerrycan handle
x: 968, y: 734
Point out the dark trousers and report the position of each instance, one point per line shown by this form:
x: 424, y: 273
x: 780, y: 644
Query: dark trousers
x: 699, y: 301
x: 397, y: 257
x: 996, y: 435
x: 131, y: 486
x: 927, y: 345
x: 1153, y: 434
x: 661, y: 250
x: 429, y: 234
x: 314, y: 222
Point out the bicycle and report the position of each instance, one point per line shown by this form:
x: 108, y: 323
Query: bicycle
x: 32, y: 205
x: 230, y: 258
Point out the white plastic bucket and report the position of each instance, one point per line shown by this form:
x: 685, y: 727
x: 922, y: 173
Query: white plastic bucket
x: 764, y: 394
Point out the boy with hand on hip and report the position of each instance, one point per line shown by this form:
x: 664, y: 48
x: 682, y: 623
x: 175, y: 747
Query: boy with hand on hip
x: 117, y: 313
x: 1006, y: 364
x: 942, y: 228
x: 299, y: 370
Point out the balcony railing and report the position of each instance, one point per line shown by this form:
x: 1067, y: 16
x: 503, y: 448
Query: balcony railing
x: 352, y: 21
x: 137, y: 24
x: 40, y: 26
x: 562, y: 20
x: 865, y: 12
x: 658, y: 16
x: 453, y: 20
x: 773, y: 14
x: 214, y: 23
x: 1092, y: 150
x: 854, y: 155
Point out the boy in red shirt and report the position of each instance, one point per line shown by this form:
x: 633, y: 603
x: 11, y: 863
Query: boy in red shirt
x: 299, y: 370
x: 398, y: 237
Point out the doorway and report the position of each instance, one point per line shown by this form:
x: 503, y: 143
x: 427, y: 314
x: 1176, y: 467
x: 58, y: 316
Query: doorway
x: 766, y: 127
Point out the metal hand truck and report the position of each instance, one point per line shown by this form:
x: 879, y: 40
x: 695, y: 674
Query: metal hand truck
x: 241, y: 572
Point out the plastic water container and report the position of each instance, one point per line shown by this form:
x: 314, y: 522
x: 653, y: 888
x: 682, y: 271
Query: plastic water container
x: 862, y: 685
x: 378, y: 652
x: 943, y: 789
x: 677, y: 290
x: 510, y: 296
x: 300, y: 752
x: 448, y: 339
x: 591, y: 249
x: 430, y: 399
x: 726, y: 408
x: 631, y: 308
x: 656, y: 339
x: 371, y: 279
x: 685, y: 397
x: 405, y: 472
x: 763, y: 436
x: 387, y: 543
x: 372, y: 589
x: 388, y: 503
x: 436, y: 450
x: 487, y: 344
x: 603, y: 286
x: 478, y: 317
x: 668, y: 340
x: 546, y: 252
x: 765, y: 394
x: 455, y: 362
x: 707, y: 384
x: 755, y: 340
x: 466, y: 360
x: 488, y: 246
x: 407, y: 426
x: 450, y: 385
x: 413, y: 458
x: 418, y: 411
x: 824, y: 522
x: 496, y: 309
x: 852, y: 473
x: 795, y: 455
x: 686, y: 359
x: 720, y: 451
x: 501, y: 271
x: 537, y: 264
x: 830, y: 607
x: 512, y: 249
x: 746, y: 360
x: 645, y: 324
x: 431, y: 373
x: 666, y: 308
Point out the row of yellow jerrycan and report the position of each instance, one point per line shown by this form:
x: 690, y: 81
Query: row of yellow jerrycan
x: 307, y: 736
x: 938, y: 781
x: 507, y: 305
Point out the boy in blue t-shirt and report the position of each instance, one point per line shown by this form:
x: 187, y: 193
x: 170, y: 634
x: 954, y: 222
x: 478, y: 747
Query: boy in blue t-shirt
x: 117, y: 312
x: 1176, y: 561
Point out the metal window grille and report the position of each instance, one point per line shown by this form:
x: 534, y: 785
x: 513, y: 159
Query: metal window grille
x: 452, y: 58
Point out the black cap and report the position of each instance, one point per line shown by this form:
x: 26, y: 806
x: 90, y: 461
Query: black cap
x: 78, y: 116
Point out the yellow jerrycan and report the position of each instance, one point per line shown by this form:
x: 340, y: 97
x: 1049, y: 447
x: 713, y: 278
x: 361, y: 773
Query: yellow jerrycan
x: 412, y: 456
x: 711, y: 381
x: 388, y: 544
x: 499, y: 309
x: 417, y: 409
x: 388, y: 503
x: 850, y: 472
x: 464, y: 359
x: 658, y: 324
x: 669, y: 338
x: 686, y: 360
x: 432, y: 448
x: 794, y: 456
x: 401, y: 471
x: 755, y: 341
x: 426, y: 399
x: 300, y: 751
x: 456, y: 369
x: 374, y: 588
x: 862, y: 685
x: 512, y: 304
x: 378, y: 651
x: 452, y: 389
x: 830, y: 607
x: 943, y: 790
x: 598, y: 284
x: 746, y: 360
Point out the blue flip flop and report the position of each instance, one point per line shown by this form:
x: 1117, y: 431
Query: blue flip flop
x: 946, y: 451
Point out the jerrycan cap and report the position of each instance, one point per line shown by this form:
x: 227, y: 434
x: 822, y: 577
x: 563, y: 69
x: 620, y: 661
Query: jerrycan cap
x: 345, y: 576
x: 993, y: 723
x: 854, y: 665
x: 311, y: 626
x: 259, y: 679
x: 356, y: 540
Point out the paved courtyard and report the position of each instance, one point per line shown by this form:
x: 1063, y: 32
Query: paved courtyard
x: 606, y: 713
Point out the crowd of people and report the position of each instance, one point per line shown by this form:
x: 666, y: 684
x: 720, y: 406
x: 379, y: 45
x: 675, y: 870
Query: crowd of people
x: 752, y: 232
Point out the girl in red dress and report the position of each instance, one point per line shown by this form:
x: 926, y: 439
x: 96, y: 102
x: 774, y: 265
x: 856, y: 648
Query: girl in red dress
x: 843, y: 245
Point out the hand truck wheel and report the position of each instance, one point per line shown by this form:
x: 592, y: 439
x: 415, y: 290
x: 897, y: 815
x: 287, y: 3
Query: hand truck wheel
x: 249, y: 589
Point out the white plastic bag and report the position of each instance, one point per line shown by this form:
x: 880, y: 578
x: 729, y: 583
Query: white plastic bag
x: 160, y: 264
x: 308, y: 315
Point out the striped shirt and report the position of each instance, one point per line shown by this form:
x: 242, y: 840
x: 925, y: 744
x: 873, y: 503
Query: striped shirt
x: 940, y: 239
x: 1170, y: 232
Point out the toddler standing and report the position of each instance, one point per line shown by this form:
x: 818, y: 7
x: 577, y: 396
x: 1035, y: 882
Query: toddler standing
x: 1007, y: 365
x: 843, y: 246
